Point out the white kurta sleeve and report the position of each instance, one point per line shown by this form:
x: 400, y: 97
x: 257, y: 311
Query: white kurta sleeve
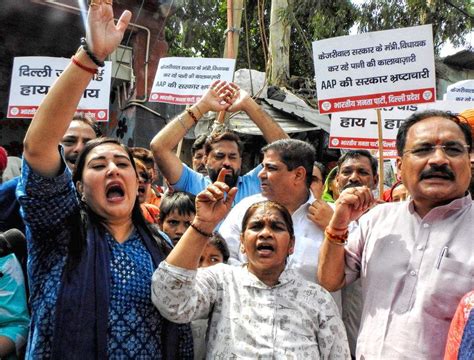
x: 183, y: 295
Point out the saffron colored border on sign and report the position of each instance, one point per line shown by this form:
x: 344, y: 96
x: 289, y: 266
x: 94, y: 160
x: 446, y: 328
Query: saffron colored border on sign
x: 380, y: 100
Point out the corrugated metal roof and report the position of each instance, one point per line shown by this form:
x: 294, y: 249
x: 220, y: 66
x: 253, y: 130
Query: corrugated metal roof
x: 292, y: 118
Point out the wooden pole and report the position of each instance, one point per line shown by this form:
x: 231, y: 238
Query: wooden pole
x: 230, y: 28
x: 381, y: 167
x: 234, y: 18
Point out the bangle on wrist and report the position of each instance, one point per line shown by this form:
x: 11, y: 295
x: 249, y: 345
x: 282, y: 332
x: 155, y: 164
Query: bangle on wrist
x: 91, y: 55
x: 180, y: 119
x: 83, y: 67
x: 335, y: 238
x: 190, y: 112
x: 197, y: 107
x: 202, y: 232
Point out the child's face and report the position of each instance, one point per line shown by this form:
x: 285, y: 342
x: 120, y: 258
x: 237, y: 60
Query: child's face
x: 174, y: 225
x: 210, y: 256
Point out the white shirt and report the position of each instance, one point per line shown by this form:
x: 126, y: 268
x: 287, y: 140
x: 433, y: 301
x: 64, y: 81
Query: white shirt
x: 308, y: 236
x: 411, y: 285
x: 294, y: 319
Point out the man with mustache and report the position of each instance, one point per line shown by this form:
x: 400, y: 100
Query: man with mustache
x: 199, y: 155
x: 285, y: 179
x: 414, y: 258
x: 222, y: 149
x: 356, y: 168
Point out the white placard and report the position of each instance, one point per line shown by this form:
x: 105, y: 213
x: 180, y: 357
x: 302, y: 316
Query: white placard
x: 375, y: 70
x: 462, y: 91
x: 358, y: 129
x: 184, y: 80
x: 32, y: 77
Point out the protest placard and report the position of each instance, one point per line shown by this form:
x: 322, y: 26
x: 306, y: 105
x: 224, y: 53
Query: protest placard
x: 375, y: 70
x: 183, y: 80
x: 461, y: 91
x: 358, y: 129
x: 32, y: 77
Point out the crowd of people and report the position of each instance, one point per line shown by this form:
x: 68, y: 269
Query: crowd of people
x: 288, y: 261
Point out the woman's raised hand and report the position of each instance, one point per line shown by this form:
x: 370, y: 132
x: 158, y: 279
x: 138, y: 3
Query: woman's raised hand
x: 213, y: 204
x: 103, y: 35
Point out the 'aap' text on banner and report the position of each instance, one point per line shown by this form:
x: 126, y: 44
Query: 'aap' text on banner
x: 32, y: 77
x: 183, y: 81
x: 375, y: 70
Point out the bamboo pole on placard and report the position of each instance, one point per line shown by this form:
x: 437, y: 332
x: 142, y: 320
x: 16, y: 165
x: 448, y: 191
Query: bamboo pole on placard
x: 381, y: 168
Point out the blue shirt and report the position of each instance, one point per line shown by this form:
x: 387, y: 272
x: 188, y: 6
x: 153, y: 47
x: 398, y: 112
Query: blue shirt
x: 194, y: 182
x: 134, y: 329
x: 9, y: 207
x: 14, y: 317
x: 132, y: 325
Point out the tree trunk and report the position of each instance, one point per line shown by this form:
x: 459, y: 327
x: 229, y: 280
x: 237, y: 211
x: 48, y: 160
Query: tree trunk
x: 279, y: 44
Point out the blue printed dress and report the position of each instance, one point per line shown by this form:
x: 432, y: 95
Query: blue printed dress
x: 134, y: 324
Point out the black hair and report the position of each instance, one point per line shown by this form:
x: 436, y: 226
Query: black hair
x: 357, y: 154
x: 145, y: 155
x: 84, y: 216
x: 180, y: 201
x: 222, y: 136
x: 294, y: 153
x: 220, y: 244
x: 323, y: 169
x: 422, y: 115
x: 86, y: 119
x: 198, y: 144
x: 268, y: 205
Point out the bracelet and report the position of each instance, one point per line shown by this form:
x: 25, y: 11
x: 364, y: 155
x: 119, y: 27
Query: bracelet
x: 192, y: 116
x: 180, y: 119
x: 83, y: 67
x: 203, y: 233
x: 197, y: 107
x: 337, y: 239
x: 91, y: 55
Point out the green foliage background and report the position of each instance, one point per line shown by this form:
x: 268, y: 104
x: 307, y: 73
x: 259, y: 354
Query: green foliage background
x: 198, y: 27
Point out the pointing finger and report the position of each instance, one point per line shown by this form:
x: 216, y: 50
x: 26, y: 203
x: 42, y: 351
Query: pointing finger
x: 222, y: 174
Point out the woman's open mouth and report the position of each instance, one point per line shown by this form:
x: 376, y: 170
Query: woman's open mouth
x: 265, y: 249
x: 114, y: 192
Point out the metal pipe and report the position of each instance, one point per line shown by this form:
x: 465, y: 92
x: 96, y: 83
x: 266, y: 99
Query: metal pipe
x: 53, y: 3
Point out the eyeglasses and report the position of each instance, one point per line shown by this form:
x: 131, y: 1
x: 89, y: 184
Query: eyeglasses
x: 451, y: 150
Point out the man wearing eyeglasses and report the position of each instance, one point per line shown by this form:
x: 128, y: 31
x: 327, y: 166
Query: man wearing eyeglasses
x: 415, y: 258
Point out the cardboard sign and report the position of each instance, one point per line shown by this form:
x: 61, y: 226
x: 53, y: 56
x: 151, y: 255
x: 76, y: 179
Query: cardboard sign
x: 461, y: 91
x: 33, y: 76
x: 375, y: 70
x: 358, y: 129
x: 183, y: 81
